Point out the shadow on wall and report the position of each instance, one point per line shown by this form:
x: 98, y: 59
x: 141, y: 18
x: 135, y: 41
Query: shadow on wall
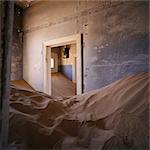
x: 66, y: 70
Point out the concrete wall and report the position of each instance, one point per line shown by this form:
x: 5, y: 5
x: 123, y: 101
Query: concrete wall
x: 1, y: 52
x: 115, y: 36
x: 17, y: 51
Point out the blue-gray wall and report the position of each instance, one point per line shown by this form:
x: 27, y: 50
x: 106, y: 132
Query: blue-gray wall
x: 119, y: 44
x: 66, y: 70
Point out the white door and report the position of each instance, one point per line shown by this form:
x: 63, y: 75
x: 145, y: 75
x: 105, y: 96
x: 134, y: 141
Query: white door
x: 54, y: 62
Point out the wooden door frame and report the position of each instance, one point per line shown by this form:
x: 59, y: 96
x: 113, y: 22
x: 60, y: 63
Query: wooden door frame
x: 47, y: 55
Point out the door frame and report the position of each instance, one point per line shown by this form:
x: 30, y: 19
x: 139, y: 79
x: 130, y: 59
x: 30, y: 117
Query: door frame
x: 47, y: 45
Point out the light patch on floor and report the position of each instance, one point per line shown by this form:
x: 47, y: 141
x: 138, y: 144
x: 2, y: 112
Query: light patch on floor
x: 21, y: 84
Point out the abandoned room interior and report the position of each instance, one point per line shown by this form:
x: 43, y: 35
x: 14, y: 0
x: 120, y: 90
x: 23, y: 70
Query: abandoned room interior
x: 74, y: 75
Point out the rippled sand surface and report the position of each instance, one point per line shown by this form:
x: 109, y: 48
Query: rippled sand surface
x: 111, y: 118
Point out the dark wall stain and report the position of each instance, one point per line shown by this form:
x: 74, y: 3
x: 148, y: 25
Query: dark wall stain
x: 17, y: 52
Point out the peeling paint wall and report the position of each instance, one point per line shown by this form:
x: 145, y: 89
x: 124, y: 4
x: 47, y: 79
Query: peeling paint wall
x: 115, y: 36
x: 1, y: 41
x: 17, y: 51
x: 2, y: 14
x: 119, y: 43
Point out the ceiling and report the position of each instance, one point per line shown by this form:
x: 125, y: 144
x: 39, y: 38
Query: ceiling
x: 25, y: 3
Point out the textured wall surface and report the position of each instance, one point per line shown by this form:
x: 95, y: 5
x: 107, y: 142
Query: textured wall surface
x: 17, y: 52
x: 1, y: 53
x: 119, y: 44
x: 1, y: 49
x: 115, y: 36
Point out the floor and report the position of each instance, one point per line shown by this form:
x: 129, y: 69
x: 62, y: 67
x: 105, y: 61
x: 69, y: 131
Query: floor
x: 21, y: 84
x: 61, y: 86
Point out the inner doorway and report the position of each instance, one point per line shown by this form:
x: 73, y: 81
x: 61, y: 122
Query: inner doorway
x: 48, y: 62
x: 63, y: 70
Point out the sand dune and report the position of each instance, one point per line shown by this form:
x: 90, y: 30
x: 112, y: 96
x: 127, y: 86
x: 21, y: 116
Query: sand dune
x: 113, y: 117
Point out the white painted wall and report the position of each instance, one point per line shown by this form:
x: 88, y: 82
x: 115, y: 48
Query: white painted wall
x: 32, y: 51
x: 32, y: 61
x: 51, y: 16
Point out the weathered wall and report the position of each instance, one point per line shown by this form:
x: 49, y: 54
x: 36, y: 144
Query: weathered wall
x: 115, y: 36
x: 1, y: 55
x: 17, y: 51
x: 1, y: 41
x: 72, y: 55
x: 68, y: 64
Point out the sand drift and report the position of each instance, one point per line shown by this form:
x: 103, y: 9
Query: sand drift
x: 113, y: 117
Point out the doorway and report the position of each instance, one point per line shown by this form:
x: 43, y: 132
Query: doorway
x: 48, y: 61
x: 63, y: 70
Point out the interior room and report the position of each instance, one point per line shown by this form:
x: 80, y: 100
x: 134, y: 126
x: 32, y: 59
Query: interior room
x: 74, y: 75
x: 63, y: 70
